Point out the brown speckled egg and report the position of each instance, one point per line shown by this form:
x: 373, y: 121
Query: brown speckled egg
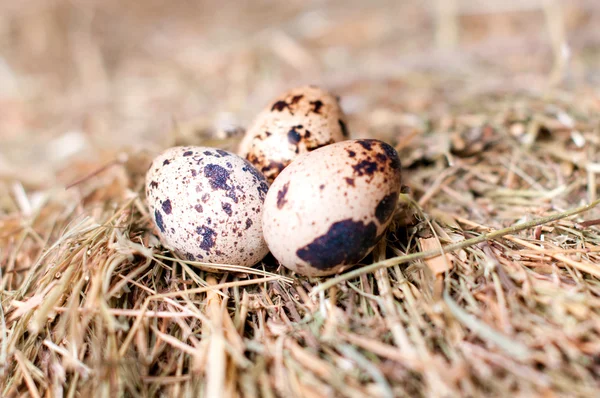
x: 207, y: 205
x: 327, y: 210
x: 299, y: 121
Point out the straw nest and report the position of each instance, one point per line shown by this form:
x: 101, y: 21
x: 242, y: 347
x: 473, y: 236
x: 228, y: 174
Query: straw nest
x: 501, y: 179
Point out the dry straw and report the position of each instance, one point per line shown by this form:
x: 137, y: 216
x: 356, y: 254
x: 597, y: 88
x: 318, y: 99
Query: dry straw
x: 91, y: 303
x: 501, y: 173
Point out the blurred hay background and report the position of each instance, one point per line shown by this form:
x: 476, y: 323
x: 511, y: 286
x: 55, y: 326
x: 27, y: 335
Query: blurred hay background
x: 493, y: 105
x: 81, y: 77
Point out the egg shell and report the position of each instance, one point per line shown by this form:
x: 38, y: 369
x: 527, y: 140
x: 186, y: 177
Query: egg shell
x: 299, y: 121
x: 328, y: 209
x: 207, y: 205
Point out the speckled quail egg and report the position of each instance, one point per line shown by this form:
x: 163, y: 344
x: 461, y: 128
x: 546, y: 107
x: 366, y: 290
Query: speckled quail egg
x: 207, y: 205
x: 327, y: 210
x: 299, y: 121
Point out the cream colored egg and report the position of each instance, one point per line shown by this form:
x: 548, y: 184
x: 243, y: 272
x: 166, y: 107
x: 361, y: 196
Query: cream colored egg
x: 299, y: 121
x: 207, y: 205
x: 327, y: 210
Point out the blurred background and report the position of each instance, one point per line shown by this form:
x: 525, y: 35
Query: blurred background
x: 86, y: 79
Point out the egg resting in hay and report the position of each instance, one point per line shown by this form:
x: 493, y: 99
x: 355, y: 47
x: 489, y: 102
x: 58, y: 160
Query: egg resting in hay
x: 328, y: 209
x: 299, y: 121
x: 207, y: 205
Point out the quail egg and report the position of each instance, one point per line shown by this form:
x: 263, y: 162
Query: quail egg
x: 327, y: 210
x: 299, y: 121
x: 207, y: 205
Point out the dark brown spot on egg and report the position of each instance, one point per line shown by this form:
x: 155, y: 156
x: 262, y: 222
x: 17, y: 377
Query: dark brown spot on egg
x: 381, y: 157
x: 222, y: 152
x: 154, y: 184
x: 232, y: 195
x: 217, y: 176
x: 346, y: 242
x: 350, y: 181
x: 281, y: 195
x: 321, y: 145
x: 273, y: 169
x: 386, y: 206
x: 391, y: 154
x: 249, y: 168
x: 248, y: 223
x: 365, y: 167
x: 279, y: 106
x: 166, y: 162
x: 293, y: 136
x: 343, y: 128
x: 159, y: 221
x: 166, y: 206
x: 209, y: 237
x: 227, y: 208
x: 296, y: 98
x: 316, y: 106
x: 188, y: 153
x: 263, y: 188
x: 198, y: 208
x: 273, y: 165
x: 351, y: 153
x: 367, y: 144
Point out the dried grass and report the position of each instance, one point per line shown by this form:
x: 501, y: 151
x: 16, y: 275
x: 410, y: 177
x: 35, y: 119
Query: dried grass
x: 502, y: 176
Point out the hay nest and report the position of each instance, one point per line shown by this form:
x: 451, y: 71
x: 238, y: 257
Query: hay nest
x: 486, y: 284
x: 91, y: 303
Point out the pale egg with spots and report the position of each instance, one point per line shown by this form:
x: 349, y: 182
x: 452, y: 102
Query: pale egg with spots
x: 298, y: 121
x: 328, y: 209
x: 207, y: 205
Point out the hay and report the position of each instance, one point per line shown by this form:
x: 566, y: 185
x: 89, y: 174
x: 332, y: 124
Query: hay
x: 501, y: 175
